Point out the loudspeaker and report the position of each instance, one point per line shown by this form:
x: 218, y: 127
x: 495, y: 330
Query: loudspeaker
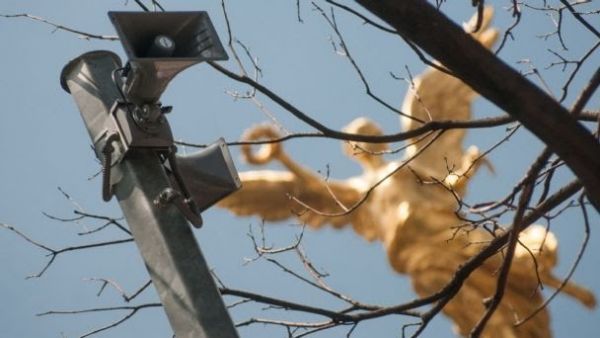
x: 159, y: 45
x: 208, y: 175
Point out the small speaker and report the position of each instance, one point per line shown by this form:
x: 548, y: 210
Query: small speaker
x: 159, y: 45
x: 209, y: 175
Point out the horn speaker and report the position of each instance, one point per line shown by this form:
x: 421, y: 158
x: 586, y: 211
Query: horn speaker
x: 209, y: 175
x: 159, y: 45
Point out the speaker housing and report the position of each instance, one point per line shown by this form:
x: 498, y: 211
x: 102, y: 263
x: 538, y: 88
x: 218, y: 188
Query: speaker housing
x: 192, y: 33
x: 209, y: 175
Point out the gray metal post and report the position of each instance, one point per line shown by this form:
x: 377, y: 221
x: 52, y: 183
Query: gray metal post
x: 178, y: 270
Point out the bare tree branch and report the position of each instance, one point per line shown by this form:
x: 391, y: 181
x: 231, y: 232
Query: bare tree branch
x: 571, y: 271
x: 513, y: 238
x: 132, y: 311
x: 54, y: 253
x: 580, y: 18
x: 57, y: 27
x: 499, y: 83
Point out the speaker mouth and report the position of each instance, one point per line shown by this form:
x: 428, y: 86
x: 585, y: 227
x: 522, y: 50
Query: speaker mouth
x: 160, y: 45
x: 209, y: 175
x: 192, y: 33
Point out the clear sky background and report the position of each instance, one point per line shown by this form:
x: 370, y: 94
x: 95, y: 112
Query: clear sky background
x: 44, y: 145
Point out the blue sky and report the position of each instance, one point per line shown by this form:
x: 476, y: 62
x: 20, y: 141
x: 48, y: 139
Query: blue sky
x: 44, y: 146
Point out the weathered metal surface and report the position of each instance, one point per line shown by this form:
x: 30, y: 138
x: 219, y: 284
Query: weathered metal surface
x: 178, y: 270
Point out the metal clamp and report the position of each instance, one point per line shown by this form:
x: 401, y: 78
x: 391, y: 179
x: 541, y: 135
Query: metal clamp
x: 185, y: 205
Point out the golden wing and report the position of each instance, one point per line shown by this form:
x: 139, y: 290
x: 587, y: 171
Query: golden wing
x: 280, y: 195
x: 298, y: 193
x: 436, y: 95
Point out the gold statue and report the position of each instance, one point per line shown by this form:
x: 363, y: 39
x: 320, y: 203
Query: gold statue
x: 416, y: 222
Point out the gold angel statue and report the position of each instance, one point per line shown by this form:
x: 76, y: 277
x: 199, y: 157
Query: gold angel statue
x: 415, y: 221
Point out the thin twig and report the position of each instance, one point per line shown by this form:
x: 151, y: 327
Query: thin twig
x: 127, y: 298
x: 513, y: 238
x: 579, y: 18
x: 53, y: 253
x: 132, y: 311
x: 57, y: 27
x: 565, y: 281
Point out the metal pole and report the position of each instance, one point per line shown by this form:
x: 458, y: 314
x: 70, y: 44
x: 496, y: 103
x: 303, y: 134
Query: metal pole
x: 164, y: 238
